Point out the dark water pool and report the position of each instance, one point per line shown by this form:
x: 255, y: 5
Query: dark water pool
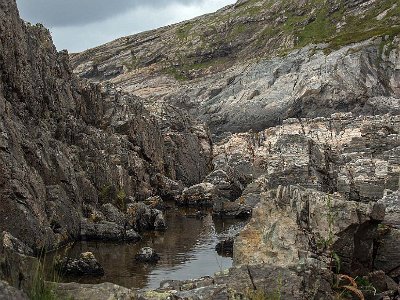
x: 187, y: 250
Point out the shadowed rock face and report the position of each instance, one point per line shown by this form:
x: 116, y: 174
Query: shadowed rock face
x: 65, y: 142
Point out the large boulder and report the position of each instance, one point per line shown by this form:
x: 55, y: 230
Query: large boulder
x: 86, y: 264
x: 142, y: 217
x: 148, y: 255
x: 293, y: 226
x: 199, y: 195
x: 105, y: 231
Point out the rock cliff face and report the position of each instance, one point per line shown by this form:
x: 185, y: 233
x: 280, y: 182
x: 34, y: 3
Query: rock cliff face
x: 66, y: 143
x: 326, y: 185
x: 256, y: 63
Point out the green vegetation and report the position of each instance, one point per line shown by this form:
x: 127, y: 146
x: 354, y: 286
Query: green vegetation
x: 252, y: 294
x: 41, y: 289
x: 133, y: 63
x: 176, y: 73
x: 183, y: 32
x: 110, y: 194
x: 257, y: 29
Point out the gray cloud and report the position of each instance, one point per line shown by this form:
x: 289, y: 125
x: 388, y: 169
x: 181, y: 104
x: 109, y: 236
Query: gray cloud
x: 81, y: 12
x: 77, y: 25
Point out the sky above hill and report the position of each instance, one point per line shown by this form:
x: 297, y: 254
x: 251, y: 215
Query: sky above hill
x: 77, y: 25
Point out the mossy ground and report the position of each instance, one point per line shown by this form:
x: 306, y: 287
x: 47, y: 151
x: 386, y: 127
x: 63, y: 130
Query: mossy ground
x: 265, y: 28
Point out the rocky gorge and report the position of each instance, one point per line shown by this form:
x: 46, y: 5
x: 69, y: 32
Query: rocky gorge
x: 282, y: 113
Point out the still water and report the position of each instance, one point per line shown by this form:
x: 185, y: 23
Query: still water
x: 186, y: 248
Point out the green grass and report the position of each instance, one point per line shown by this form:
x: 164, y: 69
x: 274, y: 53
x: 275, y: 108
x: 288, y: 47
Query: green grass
x: 176, y: 73
x: 183, y: 32
x: 110, y: 194
x: 40, y: 288
x: 243, y: 27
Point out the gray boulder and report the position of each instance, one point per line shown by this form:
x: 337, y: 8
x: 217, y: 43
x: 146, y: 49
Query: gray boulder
x: 147, y: 255
x: 199, y: 195
x: 142, y: 217
x: 288, y: 218
x: 105, y: 231
x: 86, y: 264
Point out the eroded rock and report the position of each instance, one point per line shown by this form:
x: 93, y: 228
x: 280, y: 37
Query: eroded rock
x: 86, y: 264
x: 201, y: 195
x: 293, y: 226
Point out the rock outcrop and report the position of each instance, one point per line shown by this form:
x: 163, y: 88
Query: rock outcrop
x: 329, y: 194
x: 86, y: 264
x: 65, y: 143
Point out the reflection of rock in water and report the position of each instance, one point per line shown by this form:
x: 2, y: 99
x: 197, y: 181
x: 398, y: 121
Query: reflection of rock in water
x: 187, y: 249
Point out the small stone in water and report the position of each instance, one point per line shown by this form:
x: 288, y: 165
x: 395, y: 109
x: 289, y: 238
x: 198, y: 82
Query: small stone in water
x: 147, y: 254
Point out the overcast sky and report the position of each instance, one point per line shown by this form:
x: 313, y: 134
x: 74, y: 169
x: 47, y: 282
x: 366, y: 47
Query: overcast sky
x: 77, y: 25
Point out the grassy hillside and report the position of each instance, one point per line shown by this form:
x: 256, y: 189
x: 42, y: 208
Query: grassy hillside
x: 249, y: 30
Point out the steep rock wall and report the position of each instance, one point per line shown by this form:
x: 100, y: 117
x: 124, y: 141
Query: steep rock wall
x: 65, y: 142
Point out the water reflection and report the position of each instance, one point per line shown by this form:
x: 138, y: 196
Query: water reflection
x: 187, y: 250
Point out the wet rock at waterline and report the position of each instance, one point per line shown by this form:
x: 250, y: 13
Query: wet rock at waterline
x: 231, y: 210
x: 107, y: 231
x: 103, y: 230
x: 142, y: 217
x: 132, y: 236
x: 85, y: 265
x: 199, y: 195
x: 225, y: 247
x: 147, y: 255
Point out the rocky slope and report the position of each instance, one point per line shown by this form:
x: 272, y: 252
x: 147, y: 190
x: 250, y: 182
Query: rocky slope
x: 231, y: 68
x: 66, y: 144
